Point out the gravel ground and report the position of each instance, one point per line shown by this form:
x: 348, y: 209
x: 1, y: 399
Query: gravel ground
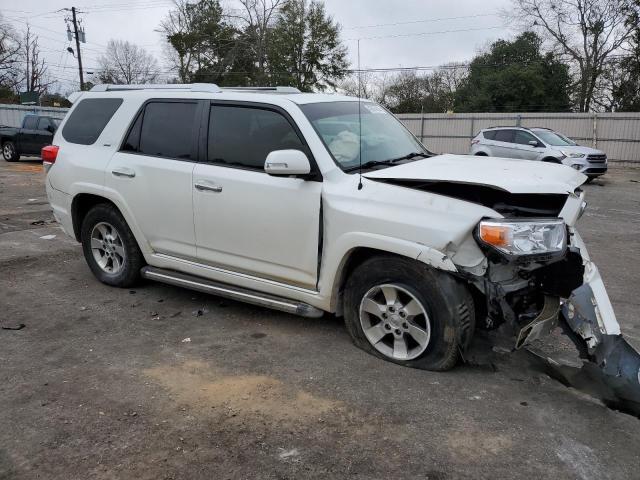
x: 164, y: 383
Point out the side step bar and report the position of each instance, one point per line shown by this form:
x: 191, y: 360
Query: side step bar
x: 229, y: 291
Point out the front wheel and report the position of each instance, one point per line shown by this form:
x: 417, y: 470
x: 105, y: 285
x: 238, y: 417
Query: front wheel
x: 407, y: 313
x: 110, y: 248
x: 10, y: 152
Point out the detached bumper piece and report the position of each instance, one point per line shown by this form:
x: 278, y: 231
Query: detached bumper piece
x: 613, y: 371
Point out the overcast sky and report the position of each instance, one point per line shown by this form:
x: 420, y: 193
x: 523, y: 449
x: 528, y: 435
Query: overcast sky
x: 424, y: 33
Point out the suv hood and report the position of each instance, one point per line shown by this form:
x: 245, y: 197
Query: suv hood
x: 508, y: 174
x: 578, y: 149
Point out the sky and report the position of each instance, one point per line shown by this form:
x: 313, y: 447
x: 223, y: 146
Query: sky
x: 392, y: 33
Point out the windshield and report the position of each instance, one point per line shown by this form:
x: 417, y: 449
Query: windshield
x: 384, y: 138
x: 555, y: 139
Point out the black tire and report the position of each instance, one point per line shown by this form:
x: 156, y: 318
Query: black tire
x: 448, y: 303
x: 481, y: 154
x: 129, y: 273
x: 552, y: 160
x: 10, y: 152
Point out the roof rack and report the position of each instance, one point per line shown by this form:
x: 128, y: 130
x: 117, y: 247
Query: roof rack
x: 264, y: 89
x: 190, y: 87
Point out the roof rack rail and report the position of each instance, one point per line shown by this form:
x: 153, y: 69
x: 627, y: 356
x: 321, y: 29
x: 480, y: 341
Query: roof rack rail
x: 264, y: 89
x: 541, y: 128
x: 507, y: 126
x: 190, y: 87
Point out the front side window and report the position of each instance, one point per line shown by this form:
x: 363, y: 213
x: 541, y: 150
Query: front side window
x: 523, y: 138
x: 555, y: 139
x: 163, y: 129
x: 244, y: 136
x: 88, y: 119
x: 383, y: 137
x: 43, y: 123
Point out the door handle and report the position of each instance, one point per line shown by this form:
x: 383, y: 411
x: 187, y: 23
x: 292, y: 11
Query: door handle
x: 207, y: 187
x: 123, y: 172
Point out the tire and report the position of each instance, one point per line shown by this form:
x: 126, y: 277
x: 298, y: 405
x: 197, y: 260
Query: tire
x: 10, y: 152
x: 119, y: 261
x: 552, y: 160
x: 481, y: 154
x: 447, y: 305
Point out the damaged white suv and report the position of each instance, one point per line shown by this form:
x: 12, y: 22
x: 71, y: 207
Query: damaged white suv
x: 256, y: 195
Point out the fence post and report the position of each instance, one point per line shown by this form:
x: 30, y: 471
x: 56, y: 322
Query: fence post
x: 473, y: 121
x: 595, y: 130
x: 422, y: 127
x: 518, y: 120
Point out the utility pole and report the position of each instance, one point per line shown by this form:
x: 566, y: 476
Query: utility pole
x: 75, y: 31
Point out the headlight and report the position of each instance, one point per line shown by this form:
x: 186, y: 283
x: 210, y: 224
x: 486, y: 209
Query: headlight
x: 524, y: 237
x: 572, y: 154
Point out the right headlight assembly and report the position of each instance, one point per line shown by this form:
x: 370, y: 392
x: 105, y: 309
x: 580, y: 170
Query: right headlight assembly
x: 543, y: 236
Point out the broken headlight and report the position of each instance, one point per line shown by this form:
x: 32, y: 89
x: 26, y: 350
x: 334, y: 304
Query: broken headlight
x: 524, y: 237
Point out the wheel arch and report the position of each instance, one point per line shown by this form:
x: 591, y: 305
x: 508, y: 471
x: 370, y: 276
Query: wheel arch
x: 551, y: 160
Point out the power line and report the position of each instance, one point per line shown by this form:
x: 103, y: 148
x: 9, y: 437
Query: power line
x: 420, y: 34
x: 411, y: 22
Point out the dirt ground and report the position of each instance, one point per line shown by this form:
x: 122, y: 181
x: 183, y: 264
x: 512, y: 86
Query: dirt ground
x: 164, y: 383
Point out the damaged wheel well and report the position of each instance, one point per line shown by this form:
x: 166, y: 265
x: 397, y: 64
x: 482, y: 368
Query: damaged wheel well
x: 81, y: 205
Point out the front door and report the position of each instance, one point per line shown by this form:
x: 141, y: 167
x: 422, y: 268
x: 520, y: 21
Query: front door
x: 525, y: 149
x: 153, y: 173
x: 246, y: 220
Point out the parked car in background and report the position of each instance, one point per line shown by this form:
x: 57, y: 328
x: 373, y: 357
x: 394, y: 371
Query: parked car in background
x: 36, y: 132
x: 540, y: 144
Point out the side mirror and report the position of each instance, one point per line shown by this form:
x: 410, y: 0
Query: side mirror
x: 534, y: 143
x: 287, y: 162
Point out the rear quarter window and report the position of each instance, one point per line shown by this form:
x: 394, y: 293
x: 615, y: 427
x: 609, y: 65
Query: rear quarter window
x: 489, y: 135
x: 88, y: 119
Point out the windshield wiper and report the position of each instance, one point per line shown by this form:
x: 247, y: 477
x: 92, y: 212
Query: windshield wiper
x: 391, y: 161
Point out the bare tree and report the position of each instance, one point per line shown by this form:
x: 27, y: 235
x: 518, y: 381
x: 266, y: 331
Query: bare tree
x: 34, y: 68
x: 9, y: 56
x: 258, y: 17
x: 126, y: 63
x: 370, y: 85
x: 585, y: 32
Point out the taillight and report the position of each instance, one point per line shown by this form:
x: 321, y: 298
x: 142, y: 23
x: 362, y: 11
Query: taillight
x: 49, y: 154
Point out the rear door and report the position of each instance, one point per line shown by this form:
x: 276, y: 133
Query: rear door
x: 503, y: 144
x: 246, y: 220
x: 153, y: 169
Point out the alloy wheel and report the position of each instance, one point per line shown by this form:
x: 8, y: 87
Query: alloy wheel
x: 107, y: 247
x: 395, y: 322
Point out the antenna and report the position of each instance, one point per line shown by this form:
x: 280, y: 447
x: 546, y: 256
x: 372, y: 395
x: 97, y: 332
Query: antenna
x: 359, y: 123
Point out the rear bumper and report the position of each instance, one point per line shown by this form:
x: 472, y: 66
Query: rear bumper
x: 61, y: 205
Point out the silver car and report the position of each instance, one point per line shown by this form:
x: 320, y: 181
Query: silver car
x: 540, y: 144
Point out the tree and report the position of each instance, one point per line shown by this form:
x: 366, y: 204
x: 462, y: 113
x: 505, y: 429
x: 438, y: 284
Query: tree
x: 126, y: 63
x: 368, y: 85
x: 202, y: 46
x: 9, y: 58
x: 626, y: 90
x: 515, y: 76
x: 585, y: 32
x: 33, y: 76
x: 305, y: 49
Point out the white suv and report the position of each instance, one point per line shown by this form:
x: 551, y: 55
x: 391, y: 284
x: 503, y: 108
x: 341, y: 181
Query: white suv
x: 540, y: 144
x: 257, y: 195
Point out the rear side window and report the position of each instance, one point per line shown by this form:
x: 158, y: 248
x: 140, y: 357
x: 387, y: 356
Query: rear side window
x: 30, y: 122
x: 43, y: 123
x: 244, y: 136
x: 504, y: 136
x: 88, y: 119
x: 489, y: 134
x: 163, y: 129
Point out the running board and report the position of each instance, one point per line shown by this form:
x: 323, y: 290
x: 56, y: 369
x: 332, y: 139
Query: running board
x: 200, y: 284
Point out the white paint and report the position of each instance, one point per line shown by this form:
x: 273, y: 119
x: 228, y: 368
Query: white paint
x: 186, y: 340
x: 48, y: 237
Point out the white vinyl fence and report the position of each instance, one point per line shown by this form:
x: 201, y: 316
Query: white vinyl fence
x: 617, y: 134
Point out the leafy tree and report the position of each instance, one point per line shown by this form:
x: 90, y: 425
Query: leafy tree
x: 126, y: 63
x: 626, y: 91
x: 515, y: 76
x: 305, y: 49
x: 586, y: 33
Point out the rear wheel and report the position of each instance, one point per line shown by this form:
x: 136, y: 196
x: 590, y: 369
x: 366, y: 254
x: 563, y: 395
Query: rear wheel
x: 10, y: 152
x: 405, y: 312
x: 110, y: 248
